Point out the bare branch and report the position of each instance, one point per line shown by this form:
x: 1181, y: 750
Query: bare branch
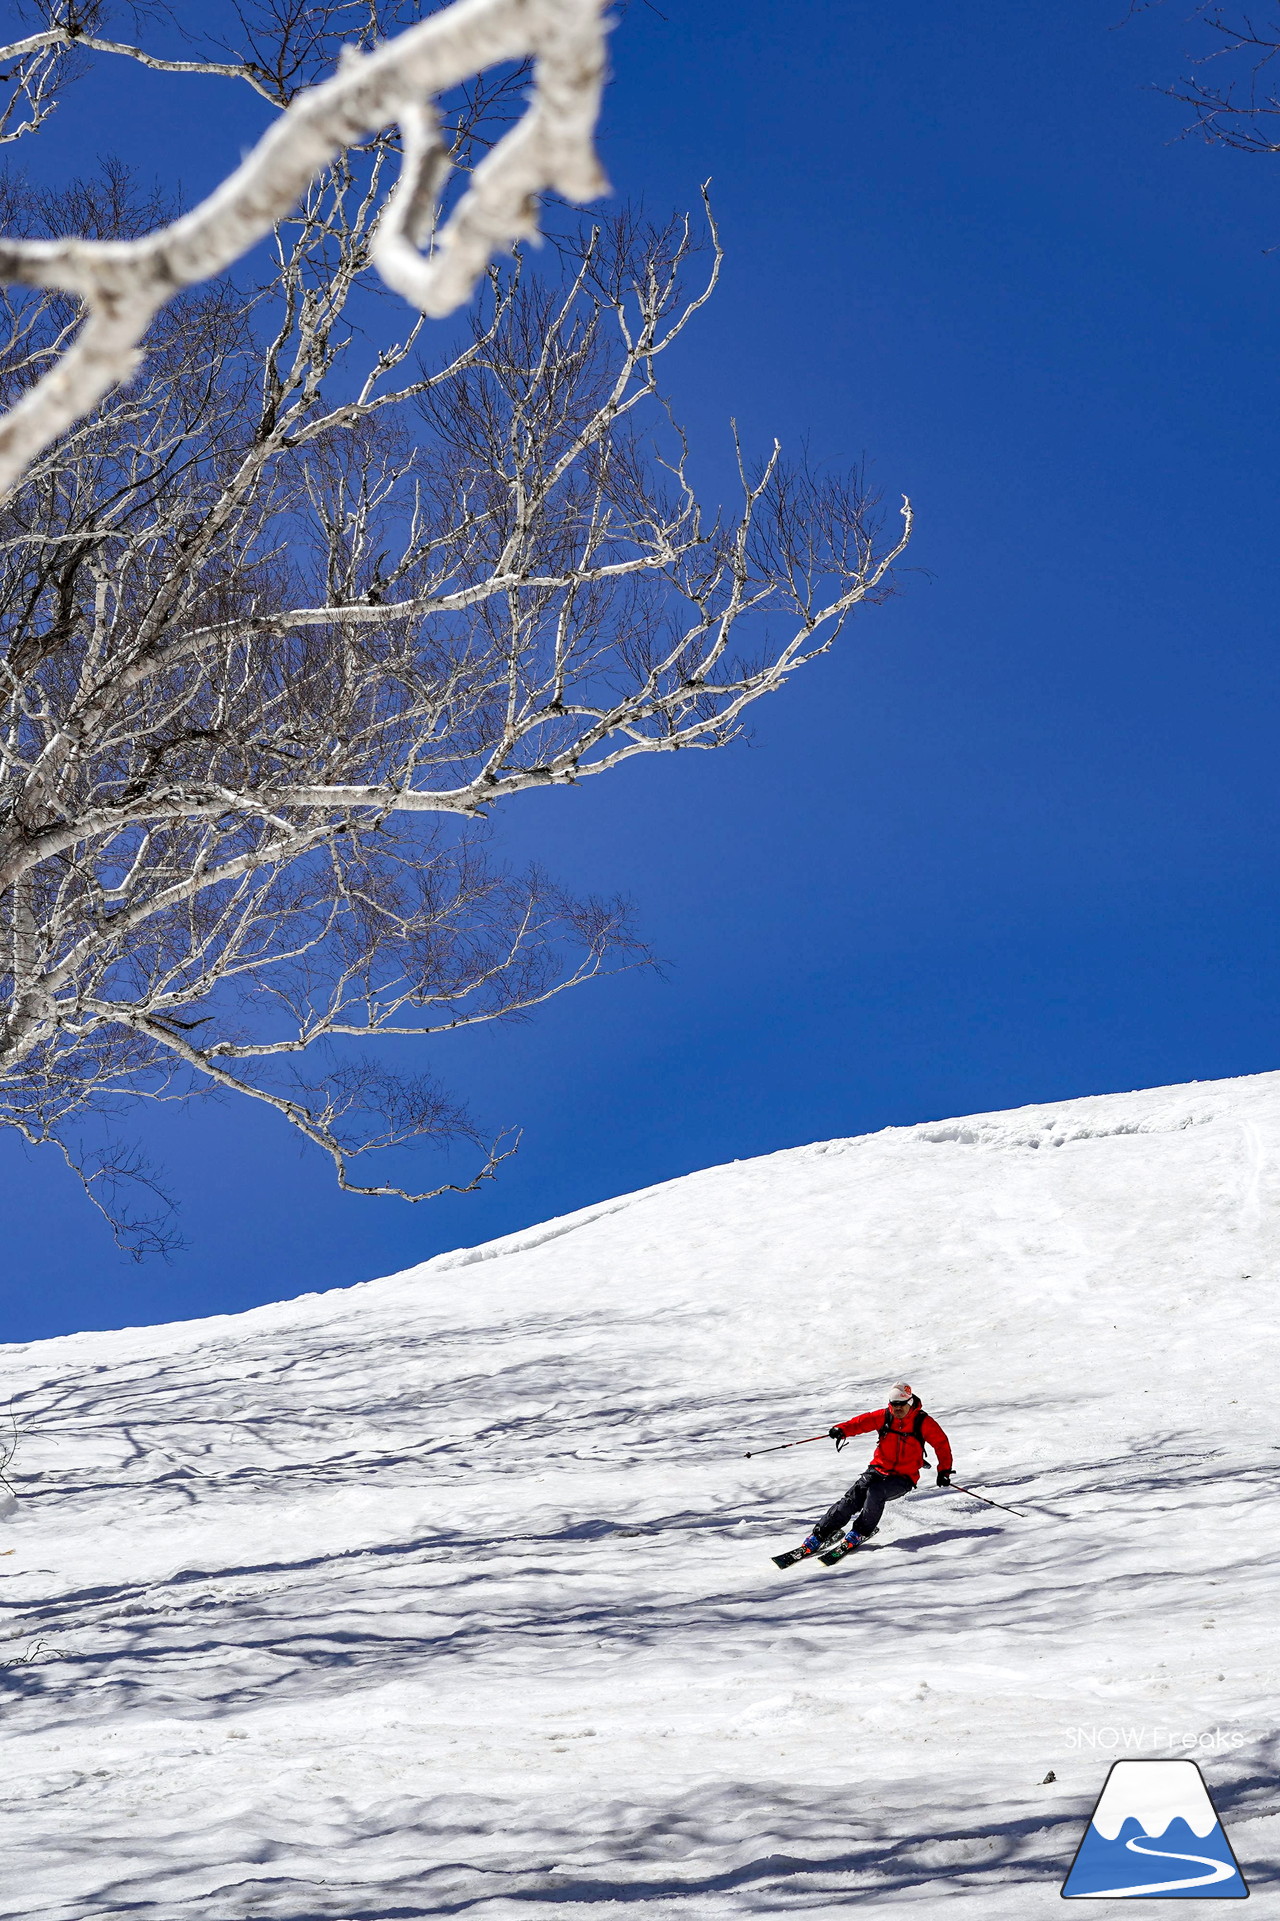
x: 124, y: 284
x: 1230, y: 111
x: 286, y: 617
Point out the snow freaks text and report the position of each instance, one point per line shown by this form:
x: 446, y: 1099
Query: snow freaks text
x: 1155, y: 1740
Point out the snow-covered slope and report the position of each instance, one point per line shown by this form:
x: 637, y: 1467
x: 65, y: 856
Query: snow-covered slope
x: 450, y: 1593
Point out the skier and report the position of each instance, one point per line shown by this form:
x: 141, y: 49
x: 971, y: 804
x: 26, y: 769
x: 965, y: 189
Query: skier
x: 903, y: 1427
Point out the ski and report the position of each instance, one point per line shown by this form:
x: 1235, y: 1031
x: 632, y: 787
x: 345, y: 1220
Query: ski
x: 789, y: 1559
x: 831, y: 1555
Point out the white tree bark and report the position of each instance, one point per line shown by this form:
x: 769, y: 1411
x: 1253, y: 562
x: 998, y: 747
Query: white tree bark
x: 288, y: 613
x: 124, y: 283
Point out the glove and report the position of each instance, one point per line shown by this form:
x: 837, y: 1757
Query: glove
x: 836, y: 1434
x: 944, y: 1477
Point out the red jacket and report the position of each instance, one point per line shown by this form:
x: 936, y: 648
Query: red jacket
x: 899, y: 1451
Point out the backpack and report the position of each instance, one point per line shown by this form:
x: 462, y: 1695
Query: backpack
x: 915, y: 1431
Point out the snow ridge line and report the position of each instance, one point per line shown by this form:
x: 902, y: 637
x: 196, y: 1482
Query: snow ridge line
x: 526, y: 1239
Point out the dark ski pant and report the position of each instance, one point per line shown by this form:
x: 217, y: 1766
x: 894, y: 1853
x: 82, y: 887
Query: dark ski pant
x: 863, y: 1505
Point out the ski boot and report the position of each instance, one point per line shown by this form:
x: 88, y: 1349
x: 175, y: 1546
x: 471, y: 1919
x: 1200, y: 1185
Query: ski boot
x: 838, y: 1549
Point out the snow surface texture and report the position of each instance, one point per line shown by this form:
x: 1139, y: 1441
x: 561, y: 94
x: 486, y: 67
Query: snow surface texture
x: 449, y: 1594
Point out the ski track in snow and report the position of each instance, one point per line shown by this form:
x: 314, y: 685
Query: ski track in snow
x: 449, y: 1594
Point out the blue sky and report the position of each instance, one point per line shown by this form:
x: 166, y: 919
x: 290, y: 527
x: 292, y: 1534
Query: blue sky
x: 1016, y: 841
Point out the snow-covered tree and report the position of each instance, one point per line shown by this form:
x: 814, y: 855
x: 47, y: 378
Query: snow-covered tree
x: 295, y: 588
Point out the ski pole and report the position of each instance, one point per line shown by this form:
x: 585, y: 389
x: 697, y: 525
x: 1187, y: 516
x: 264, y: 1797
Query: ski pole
x: 781, y: 1444
x: 957, y: 1489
